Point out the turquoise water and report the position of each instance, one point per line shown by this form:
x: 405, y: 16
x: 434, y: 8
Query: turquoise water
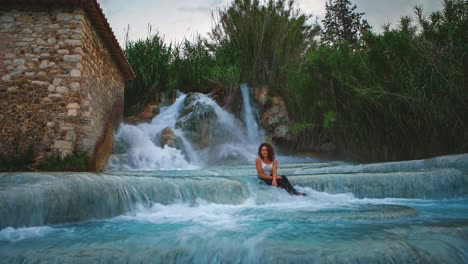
x: 407, y: 212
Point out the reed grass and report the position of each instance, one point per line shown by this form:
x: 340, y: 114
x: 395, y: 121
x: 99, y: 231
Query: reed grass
x: 265, y: 37
x: 150, y: 60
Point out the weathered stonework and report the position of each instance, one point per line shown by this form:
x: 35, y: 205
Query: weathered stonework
x: 61, y: 89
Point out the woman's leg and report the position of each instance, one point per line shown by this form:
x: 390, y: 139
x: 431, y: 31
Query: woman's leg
x: 282, y: 184
x: 289, y: 187
x: 268, y: 182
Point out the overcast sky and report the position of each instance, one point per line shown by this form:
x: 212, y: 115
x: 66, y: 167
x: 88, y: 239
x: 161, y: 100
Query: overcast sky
x: 178, y: 19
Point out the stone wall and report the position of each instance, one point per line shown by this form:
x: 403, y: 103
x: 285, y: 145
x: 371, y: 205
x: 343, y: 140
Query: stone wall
x: 60, y: 89
x: 102, y: 93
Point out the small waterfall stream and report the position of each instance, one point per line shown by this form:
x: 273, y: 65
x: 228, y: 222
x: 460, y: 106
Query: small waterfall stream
x: 254, y: 134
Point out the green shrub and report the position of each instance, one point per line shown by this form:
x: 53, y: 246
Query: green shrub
x: 329, y: 119
x: 299, y: 128
x: 18, y: 161
x: 25, y: 161
x: 74, y: 162
x: 402, y: 89
x: 150, y: 60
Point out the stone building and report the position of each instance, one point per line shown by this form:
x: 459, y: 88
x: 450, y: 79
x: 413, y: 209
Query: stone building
x: 62, y: 79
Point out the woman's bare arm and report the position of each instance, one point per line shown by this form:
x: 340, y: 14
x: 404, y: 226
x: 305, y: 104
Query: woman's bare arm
x: 275, y: 173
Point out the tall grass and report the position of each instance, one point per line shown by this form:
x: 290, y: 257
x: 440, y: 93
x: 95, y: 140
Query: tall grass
x: 150, y: 60
x: 191, y: 66
x: 265, y: 37
x: 186, y: 66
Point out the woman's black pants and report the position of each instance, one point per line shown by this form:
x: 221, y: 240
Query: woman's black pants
x: 284, y: 183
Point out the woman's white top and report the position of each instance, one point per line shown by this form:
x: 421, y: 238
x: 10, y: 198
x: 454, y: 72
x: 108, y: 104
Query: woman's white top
x: 267, y: 168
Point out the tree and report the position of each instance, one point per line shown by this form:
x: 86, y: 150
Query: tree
x: 342, y: 23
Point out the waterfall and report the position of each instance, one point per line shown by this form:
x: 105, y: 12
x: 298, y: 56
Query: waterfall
x: 206, y: 134
x: 40, y: 199
x: 144, y: 151
x: 430, y: 184
x: 439, y: 177
x: 248, y: 114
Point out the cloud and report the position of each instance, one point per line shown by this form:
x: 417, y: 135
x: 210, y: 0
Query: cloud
x: 205, y: 8
x: 178, y: 19
x: 380, y: 12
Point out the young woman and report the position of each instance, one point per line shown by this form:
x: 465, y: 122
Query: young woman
x: 267, y: 168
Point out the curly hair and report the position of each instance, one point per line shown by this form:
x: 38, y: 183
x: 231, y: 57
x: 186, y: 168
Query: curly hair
x: 271, y: 151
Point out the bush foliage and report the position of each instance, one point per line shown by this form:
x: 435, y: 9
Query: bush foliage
x: 402, y: 95
x: 399, y: 94
x: 26, y: 160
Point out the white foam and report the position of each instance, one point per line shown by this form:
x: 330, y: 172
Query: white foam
x: 204, y: 213
x: 231, y: 217
x: 17, y: 234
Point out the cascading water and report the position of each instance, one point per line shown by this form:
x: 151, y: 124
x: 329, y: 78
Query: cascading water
x: 254, y: 133
x: 207, y: 135
x: 166, y: 204
x: 142, y: 149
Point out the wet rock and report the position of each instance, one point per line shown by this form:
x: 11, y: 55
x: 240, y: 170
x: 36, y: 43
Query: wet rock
x: 261, y: 95
x: 197, y: 119
x: 120, y: 147
x: 150, y: 111
x: 327, y: 147
x: 168, y: 137
x: 274, y: 115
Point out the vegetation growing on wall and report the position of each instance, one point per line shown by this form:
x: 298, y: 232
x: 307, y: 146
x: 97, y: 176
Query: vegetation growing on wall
x: 26, y: 160
x: 19, y: 160
x: 74, y: 162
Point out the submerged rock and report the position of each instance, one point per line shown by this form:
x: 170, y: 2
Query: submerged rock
x: 120, y: 147
x: 366, y: 212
